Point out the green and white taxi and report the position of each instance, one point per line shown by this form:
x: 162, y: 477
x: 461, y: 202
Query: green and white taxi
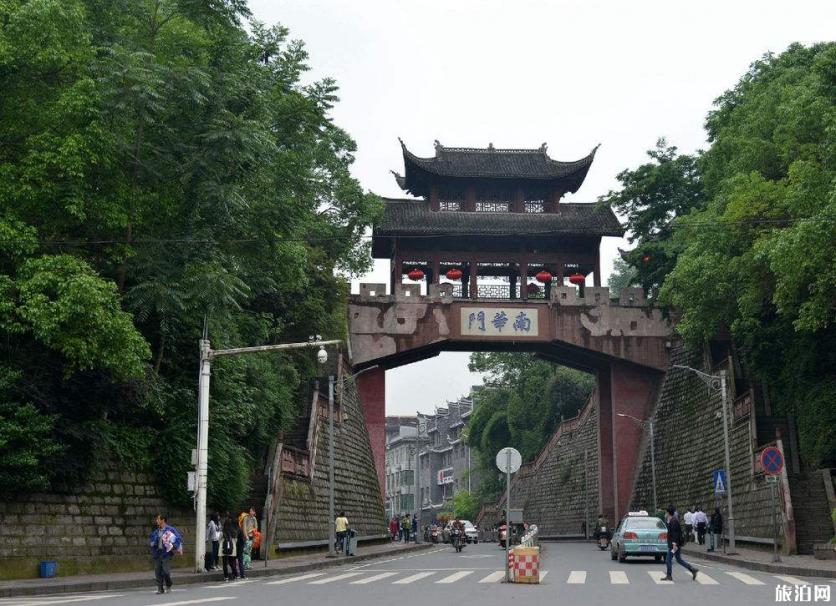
x: 639, y: 534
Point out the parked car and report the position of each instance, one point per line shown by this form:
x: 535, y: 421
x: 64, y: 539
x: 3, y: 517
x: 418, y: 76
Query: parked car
x: 639, y: 534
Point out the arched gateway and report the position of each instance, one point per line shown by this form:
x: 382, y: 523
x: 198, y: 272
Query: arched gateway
x: 494, y: 244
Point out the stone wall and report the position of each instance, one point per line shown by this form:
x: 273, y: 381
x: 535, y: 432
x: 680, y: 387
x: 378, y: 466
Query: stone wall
x: 690, y: 446
x: 101, y: 527
x: 559, y: 489
x: 302, y: 515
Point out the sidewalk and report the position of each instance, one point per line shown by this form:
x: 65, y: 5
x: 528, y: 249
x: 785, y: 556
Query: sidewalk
x: 185, y: 576
x: 756, y: 559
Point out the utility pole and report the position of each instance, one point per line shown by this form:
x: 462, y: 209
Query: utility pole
x: 417, y: 483
x: 331, y: 517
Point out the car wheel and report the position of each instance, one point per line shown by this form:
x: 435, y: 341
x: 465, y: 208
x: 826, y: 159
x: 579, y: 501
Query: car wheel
x: 622, y: 557
x: 475, y: 541
x: 657, y: 558
x: 613, y: 555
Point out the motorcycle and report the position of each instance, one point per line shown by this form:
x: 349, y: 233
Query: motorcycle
x: 435, y: 534
x: 457, y: 540
x: 603, y: 538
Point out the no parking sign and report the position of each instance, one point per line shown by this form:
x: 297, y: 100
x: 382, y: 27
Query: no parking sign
x: 772, y: 461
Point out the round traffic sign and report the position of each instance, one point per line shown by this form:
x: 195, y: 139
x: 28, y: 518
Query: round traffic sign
x: 772, y: 461
x: 508, y: 460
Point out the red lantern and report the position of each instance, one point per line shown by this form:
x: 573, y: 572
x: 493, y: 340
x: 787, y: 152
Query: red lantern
x: 533, y: 289
x: 577, y: 279
x: 646, y: 259
x: 454, y: 274
x: 415, y: 274
x: 543, y: 276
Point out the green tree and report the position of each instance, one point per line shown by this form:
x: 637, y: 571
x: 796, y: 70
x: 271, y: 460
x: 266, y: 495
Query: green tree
x: 623, y: 275
x: 164, y: 168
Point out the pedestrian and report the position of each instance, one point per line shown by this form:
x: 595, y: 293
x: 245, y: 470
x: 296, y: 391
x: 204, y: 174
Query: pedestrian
x: 240, y: 545
x: 250, y: 522
x: 165, y: 541
x: 406, y: 524
x: 229, y: 544
x: 213, y: 531
x: 341, y: 526
x: 701, y: 522
x: 675, y: 547
x: 415, y: 527
x: 394, y: 528
x: 689, y: 525
x: 715, y: 529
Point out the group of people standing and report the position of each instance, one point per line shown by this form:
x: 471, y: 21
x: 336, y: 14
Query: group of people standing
x: 402, y: 528
x: 235, y: 542
x: 697, y: 523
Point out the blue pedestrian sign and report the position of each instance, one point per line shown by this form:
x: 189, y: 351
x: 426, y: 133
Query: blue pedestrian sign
x: 720, y: 482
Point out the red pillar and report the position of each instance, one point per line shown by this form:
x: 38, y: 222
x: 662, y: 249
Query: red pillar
x: 633, y: 390
x: 371, y: 386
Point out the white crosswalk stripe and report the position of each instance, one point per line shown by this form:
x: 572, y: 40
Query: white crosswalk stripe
x: 745, y: 578
x: 47, y: 601
x: 413, y: 578
x: 339, y: 577
x: 577, y: 577
x: 619, y: 577
x: 791, y: 580
x: 303, y: 577
x: 657, y: 577
x: 455, y: 576
x: 543, y: 574
x: 377, y: 577
x: 704, y: 579
x: 494, y: 577
x: 187, y: 602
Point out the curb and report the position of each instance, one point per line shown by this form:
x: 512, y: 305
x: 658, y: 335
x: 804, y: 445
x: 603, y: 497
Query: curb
x: 763, y: 566
x: 193, y: 578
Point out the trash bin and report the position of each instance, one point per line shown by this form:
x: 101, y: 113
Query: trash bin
x: 526, y: 565
x: 350, y: 542
x: 48, y: 568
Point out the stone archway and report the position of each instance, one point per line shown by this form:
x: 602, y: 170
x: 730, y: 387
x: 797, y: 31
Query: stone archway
x: 625, y: 343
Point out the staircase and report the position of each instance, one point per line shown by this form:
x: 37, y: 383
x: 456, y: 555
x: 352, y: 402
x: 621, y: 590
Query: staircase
x: 811, y: 508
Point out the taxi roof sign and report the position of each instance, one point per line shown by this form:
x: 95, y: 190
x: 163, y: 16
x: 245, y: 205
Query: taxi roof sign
x: 637, y: 513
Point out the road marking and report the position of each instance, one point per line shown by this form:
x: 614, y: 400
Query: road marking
x: 303, y: 577
x: 654, y: 574
x: 230, y: 584
x: 704, y: 579
x: 619, y: 577
x: 186, y: 602
x: 43, y: 601
x: 577, y: 577
x: 339, y: 577
x: 455, y: 576
x: 791, y: 580
x: 543, y: 574
x: 493, y: 577
x: 412, y: 578
x: 742, y: 576
x: 377, y: 577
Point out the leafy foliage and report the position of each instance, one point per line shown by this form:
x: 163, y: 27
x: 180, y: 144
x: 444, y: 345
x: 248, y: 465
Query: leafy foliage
x: 165, y: 166
x: 755, y: 253
x: 523, y: 402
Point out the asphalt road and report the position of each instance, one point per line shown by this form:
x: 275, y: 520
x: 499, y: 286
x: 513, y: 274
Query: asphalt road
x: 572, y: 573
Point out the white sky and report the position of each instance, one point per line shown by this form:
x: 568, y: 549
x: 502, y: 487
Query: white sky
x: 517, y: 74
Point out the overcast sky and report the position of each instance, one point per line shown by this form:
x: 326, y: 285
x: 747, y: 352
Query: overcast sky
x: 524, y: 72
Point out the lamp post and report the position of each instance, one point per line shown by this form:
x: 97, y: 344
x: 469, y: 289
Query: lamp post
x: 649, y: 424
x: 207, y: 354
x: 718, y: 382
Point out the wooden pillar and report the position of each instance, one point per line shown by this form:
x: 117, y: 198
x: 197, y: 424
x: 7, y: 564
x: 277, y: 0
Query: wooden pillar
x: 397, y: 273
x: 597, y: 270
x: 470, y: 198
x: 559, y: 272
x: 435, y: 204
x: 518, y: 204
x: 524, y: 279
x: 512, y: 280
x: 474, y: 286
x: 435, y: 264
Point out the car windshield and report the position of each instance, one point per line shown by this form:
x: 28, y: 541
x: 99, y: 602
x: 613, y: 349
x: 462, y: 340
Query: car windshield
x: 644, y: 524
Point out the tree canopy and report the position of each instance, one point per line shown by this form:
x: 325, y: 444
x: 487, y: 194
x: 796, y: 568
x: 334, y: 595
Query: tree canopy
x: 164, y: 167
x: 754, y: 251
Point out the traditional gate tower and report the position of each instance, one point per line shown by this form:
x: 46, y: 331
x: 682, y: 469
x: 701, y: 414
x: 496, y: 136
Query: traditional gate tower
x: 489, y: 258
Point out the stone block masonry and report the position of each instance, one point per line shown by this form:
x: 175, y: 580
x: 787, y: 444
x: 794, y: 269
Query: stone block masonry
x: 100, y: 527
x: 690, y: 446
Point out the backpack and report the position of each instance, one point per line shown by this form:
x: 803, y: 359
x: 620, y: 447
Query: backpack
x: 227, y: 545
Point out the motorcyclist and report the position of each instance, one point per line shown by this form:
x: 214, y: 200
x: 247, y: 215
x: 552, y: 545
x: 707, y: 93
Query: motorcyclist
x: 457, y: 533
x: 602, y: 522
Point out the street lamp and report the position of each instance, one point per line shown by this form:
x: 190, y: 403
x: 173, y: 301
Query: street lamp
x: 718, y: 382
x: 649, y: 425
x: 207, y: 354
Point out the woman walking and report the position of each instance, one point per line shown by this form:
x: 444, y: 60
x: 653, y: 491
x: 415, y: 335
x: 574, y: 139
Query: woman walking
x: 213, y: 531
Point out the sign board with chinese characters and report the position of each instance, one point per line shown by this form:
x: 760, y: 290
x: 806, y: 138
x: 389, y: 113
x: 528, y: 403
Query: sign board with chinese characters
x: 515, y: 322
x: 444, y: 476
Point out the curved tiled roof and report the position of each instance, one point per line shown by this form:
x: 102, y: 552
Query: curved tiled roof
x: 415, y: 217
x: 491, y: 163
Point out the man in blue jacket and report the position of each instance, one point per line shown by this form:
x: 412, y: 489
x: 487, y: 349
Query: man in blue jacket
x: 165, y: 541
